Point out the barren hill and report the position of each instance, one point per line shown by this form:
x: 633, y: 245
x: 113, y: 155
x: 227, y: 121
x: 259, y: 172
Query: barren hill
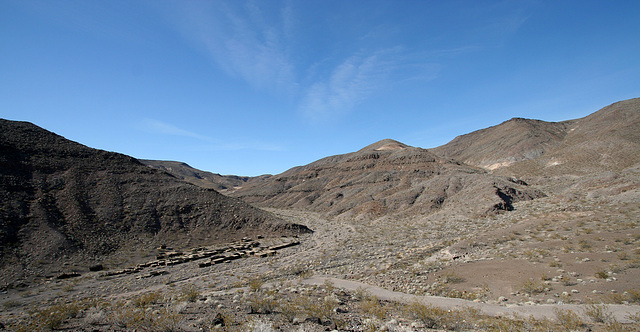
x: 65, y: 203
x: 387, y: 177
x: 607, y: 140
x: 505, y: 144
x: 201, y: 178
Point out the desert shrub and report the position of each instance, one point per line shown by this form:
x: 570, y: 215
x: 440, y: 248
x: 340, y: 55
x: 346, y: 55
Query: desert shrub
x: 503, y: 325
x: 319, y: 308
x: 634, y: 317
x: 255, y: 284
x: 634, y: 295
x: 163, y: 319
x: 568, y: 319
x: 615, y: 326
x: 361, y: 294
x: 602, y: 274
x: 263, y: 303
x: 305, y: 274
x: 298, y: 270
x: 328, y: 285
x: 372, y: 307
x: 289, y: 309
x: 189, y: 293
x: 531, y: 255
x: 53, y: 317
x: 451, y: 278
x: 598, y: 313
x: 615, y: 298
x: 432, y: 316
x: 584, y: 245
x: 567, y: 281
x: 555, y: 264
x: 95, y: 316
x: 8, y: 304
x: 144, y: 300
x: 311, y: 307
x: 532, y: 286
x: 129, y: 317
x: 544, y: 324
x: 439, y: 318
x: 259, y: 326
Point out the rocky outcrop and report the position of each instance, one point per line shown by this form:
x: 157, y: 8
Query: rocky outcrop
x: 206, y: 256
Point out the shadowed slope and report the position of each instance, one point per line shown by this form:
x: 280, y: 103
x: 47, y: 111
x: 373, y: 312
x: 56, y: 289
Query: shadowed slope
x: 62, y: 202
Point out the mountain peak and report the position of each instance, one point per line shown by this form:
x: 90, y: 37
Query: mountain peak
x: 386, y: 144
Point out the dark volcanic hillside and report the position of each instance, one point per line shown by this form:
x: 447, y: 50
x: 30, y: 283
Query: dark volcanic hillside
x: 63, y: 202
x: 607, y: 140
x: 386, y: 178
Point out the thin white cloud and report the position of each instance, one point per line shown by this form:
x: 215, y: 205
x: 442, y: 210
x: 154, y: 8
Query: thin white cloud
x: 249, y: 43
x: 237, y: 146
x: 349, y: 83
x: 211, y: 144
x: 358, y: 78
x: 244, y: 43
x: 164, y: 128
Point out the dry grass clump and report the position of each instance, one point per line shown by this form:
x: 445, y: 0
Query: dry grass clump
x: 318, y: 308
x: 451, y: 278
x: 598, y: 313
x: 189, y: 293
x: 434, y: 317
x: 263, y: 303
x: 568, y: 319
x: 145, y: 300
x: 255, y: 284
x: 53, y: 317
x: 533, y: 287
x: 602, y: 274
x: 634, y: 295
x: 372, y: 307
x: 162, y: 319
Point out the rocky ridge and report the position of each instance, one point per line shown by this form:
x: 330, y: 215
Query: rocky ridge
x: 607, y: 140
x: 385, y: 178
x: 195, y: 176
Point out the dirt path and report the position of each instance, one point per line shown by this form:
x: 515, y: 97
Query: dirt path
x: 619, y: 311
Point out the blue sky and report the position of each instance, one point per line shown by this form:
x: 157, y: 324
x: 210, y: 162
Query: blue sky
x: 258, y: 87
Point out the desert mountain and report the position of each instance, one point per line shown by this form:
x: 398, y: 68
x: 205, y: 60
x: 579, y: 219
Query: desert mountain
x: 63, y: 202
x: 200, y: 178
x: 384, y: 178
x: 507, y: 143
x: 607, y: 140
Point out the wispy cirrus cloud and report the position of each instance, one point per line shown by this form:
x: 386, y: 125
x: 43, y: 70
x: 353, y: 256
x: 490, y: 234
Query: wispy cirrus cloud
x: 210, y: 144
x: 244, y: 42
x: 359, y: 77
x: 350, y: 82
x: 164, y: 128
x: 255, y: 42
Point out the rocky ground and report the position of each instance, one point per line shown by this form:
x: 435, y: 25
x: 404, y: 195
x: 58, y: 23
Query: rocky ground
x: 571, y: 262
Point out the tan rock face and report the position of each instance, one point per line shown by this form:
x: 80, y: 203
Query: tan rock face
x: 386, y: 178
